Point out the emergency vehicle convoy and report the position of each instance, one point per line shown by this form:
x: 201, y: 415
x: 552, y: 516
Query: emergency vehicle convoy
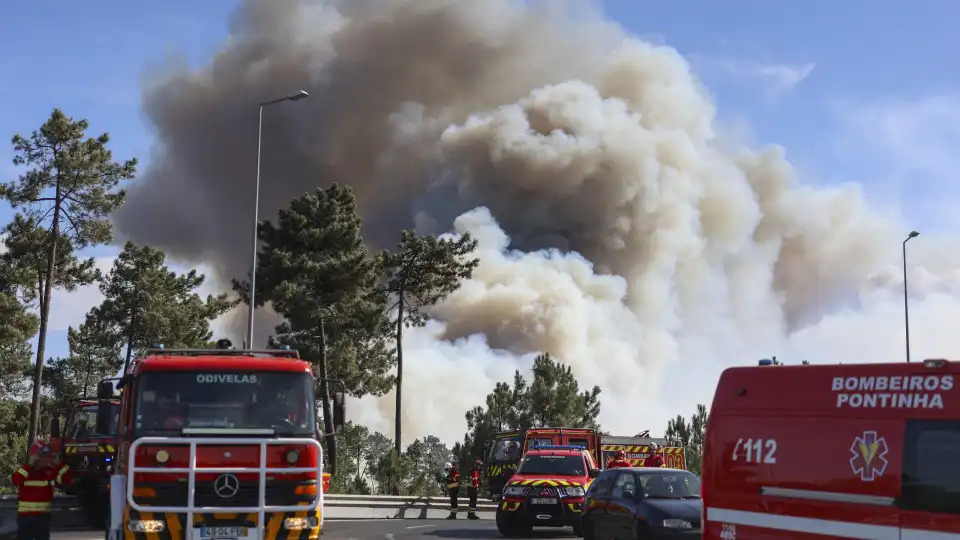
x: 508, y: 447
x: 216, y: 444
x: 834, y: 451
x: 89, y: 455
x: 547, y: 490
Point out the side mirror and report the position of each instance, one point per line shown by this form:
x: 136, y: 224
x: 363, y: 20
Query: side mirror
x: 55, y: 428
x: 339, y: 410
x: 104, y: 415
x: 594, y: 473
x: 105, y: 391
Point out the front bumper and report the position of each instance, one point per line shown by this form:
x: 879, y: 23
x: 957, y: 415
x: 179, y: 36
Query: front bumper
x: 174, y: 525
x: 565, y: 512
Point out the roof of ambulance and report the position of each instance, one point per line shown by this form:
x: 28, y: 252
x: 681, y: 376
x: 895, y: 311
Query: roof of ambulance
x: 222, y: 363
x: 869, y: 388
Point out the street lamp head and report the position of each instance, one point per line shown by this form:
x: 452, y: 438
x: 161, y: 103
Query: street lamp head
x: 299, y: 95
x: 913, y: 234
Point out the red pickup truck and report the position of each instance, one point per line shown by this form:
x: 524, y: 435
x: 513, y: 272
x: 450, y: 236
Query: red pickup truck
x: 547, y: 490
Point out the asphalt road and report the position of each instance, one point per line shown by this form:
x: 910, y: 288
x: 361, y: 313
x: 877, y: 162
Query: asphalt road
x: 388, y: 529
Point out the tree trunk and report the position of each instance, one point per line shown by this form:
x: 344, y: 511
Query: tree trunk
x: 86, y: 377
x: 44, y: 319
x: 397, y: 414
x: 131, y: 332
x: 325, y: 398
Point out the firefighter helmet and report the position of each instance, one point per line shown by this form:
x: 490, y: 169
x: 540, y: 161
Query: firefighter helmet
x: 447, y: 466
x: 478, y: 463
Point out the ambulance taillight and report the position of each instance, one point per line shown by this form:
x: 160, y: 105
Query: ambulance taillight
x: 935, y: 362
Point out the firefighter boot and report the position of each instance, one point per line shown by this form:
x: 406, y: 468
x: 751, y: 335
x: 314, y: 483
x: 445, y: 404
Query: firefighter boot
x: 453, y: 515
x: 472, y: 514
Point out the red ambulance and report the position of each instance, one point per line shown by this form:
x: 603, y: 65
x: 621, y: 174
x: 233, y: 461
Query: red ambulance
x: 866, y: 451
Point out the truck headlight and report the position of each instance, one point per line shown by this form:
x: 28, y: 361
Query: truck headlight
x: 573, y: 491
x: 162, y: 457
x: 146, y: 525
x: 299, y: 523
x: 514, y: 491
x: 674, y: 523
x: 293, y: 456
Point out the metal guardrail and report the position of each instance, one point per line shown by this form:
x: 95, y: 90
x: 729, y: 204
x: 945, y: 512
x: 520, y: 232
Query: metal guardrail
x: 69, y: 503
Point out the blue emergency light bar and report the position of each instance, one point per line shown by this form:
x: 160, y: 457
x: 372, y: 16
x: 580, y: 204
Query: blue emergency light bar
x: 556, y: 447
x: 765, y: 362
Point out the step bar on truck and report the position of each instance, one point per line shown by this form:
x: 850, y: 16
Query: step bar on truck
x: 191, y: 509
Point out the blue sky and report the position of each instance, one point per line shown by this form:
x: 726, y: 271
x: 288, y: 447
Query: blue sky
x: 856, y: 90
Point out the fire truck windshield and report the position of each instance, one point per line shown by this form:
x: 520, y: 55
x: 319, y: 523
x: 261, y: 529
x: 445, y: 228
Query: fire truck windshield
x: 84, y: 423
x: 506, y: 449
x: 224, y: 402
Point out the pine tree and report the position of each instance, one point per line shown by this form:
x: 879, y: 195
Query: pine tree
x: 552, y: 398
x: 146, y: 303
x: 94, y: 355
x: 315, y: 270
x: 70, y: 188
x: 423, y: 271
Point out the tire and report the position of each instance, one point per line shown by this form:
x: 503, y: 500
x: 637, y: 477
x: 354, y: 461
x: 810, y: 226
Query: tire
x: 512, y: 529
x: 96, y: 511
x: 586, y: 529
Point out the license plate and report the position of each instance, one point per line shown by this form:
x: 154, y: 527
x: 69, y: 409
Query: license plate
x: 544, y: 501
x: 223, y: 533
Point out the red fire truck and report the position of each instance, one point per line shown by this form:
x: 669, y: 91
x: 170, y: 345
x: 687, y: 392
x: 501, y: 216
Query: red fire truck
x: 834, y: 451
x: 89, y: 454
x: 217, y: 444
x: 508, y: 447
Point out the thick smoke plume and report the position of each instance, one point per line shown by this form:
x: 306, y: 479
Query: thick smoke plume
x: 616, y: 230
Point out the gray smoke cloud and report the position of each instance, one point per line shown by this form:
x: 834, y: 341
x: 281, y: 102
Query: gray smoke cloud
x: 617, y: 230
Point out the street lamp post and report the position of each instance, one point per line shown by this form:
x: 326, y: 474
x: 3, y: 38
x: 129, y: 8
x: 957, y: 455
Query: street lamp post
x: 906, y: 303
x: 256, y: 209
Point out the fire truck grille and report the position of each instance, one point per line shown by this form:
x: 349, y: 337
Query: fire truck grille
x: 278, y: 493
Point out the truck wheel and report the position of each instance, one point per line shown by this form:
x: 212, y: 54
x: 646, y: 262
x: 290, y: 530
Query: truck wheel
x: 96, y: 513
x: 511, y: 528
x: 586, y: 530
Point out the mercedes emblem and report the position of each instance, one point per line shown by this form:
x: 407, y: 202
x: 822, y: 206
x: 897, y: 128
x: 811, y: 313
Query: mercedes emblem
x: 226, y: 486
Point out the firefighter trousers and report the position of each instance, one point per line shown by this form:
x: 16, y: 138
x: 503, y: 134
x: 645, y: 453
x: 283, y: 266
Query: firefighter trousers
x: 472, y: 493
x: 454, y: 493
x: 33, y: 527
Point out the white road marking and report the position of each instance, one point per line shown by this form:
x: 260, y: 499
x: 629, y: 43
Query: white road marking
x: 420, y: 526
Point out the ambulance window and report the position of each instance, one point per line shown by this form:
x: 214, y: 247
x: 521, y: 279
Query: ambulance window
x: 539, y: 442
x: 931, y: 480
x: 579, y: 442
